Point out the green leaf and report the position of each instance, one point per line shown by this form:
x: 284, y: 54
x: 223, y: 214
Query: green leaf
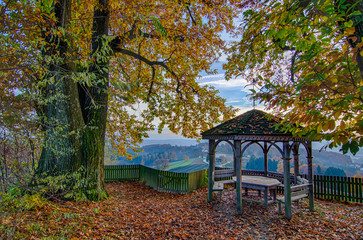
x: 159, y: 27
x: 354, y: 147
x: 349, y: 97
x: 281, y: 33
x: 348, y: 24
x: 47, y: 6
x: 345, y: 148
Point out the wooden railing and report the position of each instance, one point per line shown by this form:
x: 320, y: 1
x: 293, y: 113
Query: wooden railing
x: 121, y: 172
x: 157, y: 179
x: 325, y: 187
x: 348, y: 189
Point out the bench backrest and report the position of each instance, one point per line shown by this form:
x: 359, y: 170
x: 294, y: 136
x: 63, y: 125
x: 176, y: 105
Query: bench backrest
x: 225, y: 173
x: 298, y: 190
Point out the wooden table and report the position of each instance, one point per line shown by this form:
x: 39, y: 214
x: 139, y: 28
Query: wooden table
x: 261, y: 183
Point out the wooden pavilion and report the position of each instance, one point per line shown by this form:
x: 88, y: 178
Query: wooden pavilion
x: 258, y: 127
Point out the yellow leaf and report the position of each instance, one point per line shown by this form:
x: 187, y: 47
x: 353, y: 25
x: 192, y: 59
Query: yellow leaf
x: 337, y: 114
x: 331, y: 125
x: 334, y: 80
x: 326, y: 127
x: 350, y: 31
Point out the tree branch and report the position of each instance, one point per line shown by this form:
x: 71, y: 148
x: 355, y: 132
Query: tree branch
x: 191, y: 16
x: 151, y: 64
x: 5, y: 7
x: 151, y: 87
x: 293, y: 59
x: 130, y: 35
x: 145, y: 60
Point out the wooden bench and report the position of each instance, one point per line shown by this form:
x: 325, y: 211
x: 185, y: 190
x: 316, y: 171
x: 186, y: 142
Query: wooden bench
x: 297, y: 192
x: 224, y: 174
x: 222, y: 177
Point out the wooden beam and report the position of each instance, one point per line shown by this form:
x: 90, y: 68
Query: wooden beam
x: 237, y: 148
x: 296, y: 163
x: 287, y: 184
x: 265, y: 157
x: 211, y: 169
x: 310, y: 177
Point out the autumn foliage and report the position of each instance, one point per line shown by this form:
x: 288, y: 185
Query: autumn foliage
x: 80, y: 70
x: 306, y: 57
x: 135, y: 211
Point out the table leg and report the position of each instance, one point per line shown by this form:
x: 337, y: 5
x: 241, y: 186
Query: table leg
x: 274, y: 193
x: 265, y: 195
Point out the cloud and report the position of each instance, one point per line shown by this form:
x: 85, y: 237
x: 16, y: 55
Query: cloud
x: 219, y: 82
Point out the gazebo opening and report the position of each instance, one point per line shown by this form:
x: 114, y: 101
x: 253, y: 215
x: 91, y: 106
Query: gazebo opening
x: 224, y: 155
x: 258, y: 128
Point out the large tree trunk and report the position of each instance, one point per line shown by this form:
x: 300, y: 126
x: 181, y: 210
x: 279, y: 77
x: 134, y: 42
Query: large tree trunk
x: 75, y: 115
x: 94, y: 102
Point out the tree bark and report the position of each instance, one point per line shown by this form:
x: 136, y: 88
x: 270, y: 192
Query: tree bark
x: 75, y: 115
x: 60, y: 107
x: 95, y: 104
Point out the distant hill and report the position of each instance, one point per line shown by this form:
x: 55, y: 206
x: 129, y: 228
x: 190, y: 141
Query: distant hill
x: 168, y: 151
x: 157, y: 155
x: 173, y: 142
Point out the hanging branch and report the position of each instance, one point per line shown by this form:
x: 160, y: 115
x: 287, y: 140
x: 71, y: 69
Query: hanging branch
x: 191, y: 15
x: 150, y: 63
x: 293, y: 59
x: 151, y: 85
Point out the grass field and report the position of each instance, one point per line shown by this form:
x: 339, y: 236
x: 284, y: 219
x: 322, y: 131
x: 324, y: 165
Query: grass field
x: 181, y: 164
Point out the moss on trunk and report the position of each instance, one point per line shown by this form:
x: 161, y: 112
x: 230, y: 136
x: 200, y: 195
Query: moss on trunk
x: 74, y: 114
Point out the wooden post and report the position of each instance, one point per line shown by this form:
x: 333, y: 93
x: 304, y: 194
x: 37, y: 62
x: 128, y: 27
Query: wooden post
x: 265, y: 157
x: 235, y: 164
x: 310, y: 177
x: 237, y: 148
x: 296, y: 166
x: 211, y: 169
x: 287, y: 184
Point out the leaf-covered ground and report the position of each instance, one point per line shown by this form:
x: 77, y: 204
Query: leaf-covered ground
x: 135, y: 211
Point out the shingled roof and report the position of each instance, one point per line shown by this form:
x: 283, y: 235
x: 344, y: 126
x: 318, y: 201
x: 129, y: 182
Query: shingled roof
x: 254, y: 122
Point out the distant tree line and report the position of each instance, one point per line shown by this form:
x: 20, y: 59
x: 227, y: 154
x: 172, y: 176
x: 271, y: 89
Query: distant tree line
x: 258, y: 164
x: 161, y: 155
x: 273, y: 166
x: 332, y: 171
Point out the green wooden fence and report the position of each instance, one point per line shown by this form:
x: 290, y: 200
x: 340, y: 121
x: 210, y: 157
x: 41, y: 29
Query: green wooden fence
x: 338, y: 188
x: 122, y: 172
x: 325, y: 187
x: 160, y: 180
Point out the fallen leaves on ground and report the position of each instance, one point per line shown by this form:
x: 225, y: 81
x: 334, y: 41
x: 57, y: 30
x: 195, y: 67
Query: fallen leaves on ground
x: 135, y: 211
